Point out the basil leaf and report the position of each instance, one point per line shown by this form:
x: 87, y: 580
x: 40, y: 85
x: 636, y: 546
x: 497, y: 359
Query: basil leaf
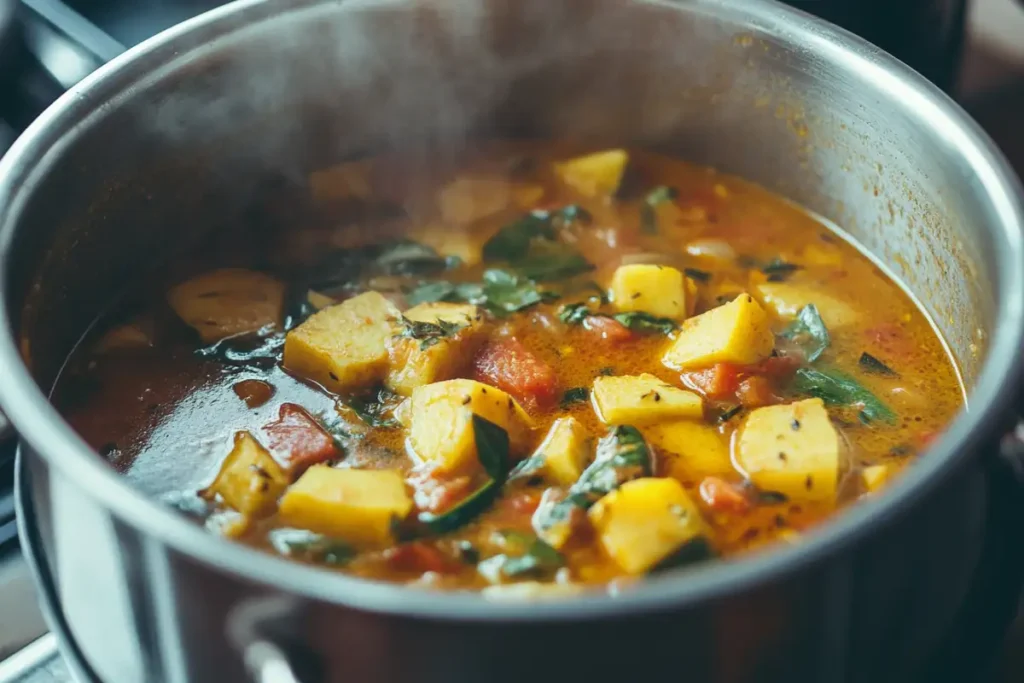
x: 409, y: 258
x: 505, y: 292
x: 648, y: 210
x: 431, y: 292
x: 512, y: 242
x: 574, y: 314
x: 491, y: 447
x: 638, y: 321
x: 836, y: 388
x: 574, y: 395
x: 809, y: 332
x: 539, y: 558
x: 554, y: 262
x: 372, y: 410
x: 869, y: 363
x: 309, y: 546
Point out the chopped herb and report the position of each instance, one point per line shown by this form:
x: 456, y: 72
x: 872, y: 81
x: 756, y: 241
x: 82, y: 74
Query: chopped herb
x: 836, y: 388
x: 698, y: 275
x: 870, y: 364
x: 512, y: 242
x: 778, y: 270
x: 648, y: 210
x: 901, y: 450
x: 771, y: 498
x: 638, y: 321
x: 501, y: 292
x: 311, y: 547
x: 728, y: 413
x: 809, y: 332
x: 429, y: 334
x: 372, y: 409
x: 574, y: 395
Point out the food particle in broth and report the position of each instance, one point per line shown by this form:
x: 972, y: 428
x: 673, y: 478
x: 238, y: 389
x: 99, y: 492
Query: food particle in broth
x: 526, y: 378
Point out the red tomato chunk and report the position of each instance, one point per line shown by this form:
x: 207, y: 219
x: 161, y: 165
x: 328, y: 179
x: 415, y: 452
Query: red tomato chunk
x: 298, y: 440
x: 513, y: 368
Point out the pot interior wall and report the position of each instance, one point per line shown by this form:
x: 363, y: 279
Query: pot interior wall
x: 184, y: 141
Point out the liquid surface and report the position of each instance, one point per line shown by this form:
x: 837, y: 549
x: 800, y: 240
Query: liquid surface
x: 343, y: 354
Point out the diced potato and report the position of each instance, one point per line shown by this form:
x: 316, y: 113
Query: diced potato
x: 227, y: 302
x: 442, y: 426
x: 594, y: 175
x: 359, y: 506
x: 691, y: 297
x: 658, y: 290
x: 645, y: 521
x: 450, y: 241
x: 792, y: 449
x: 736, y: 332
x: 642, y: 400
x: 343, y: 347
x: 467, y: 199
x: 875, y: 477
x: 787, y: 299
x: 413, y: 366
x: 692, y: 449
x: 319, y: 301
x: 250, y: 480
x: 350, y: 180
x: 565, y: 451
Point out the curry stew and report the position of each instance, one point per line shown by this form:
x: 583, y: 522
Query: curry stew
x: 527, y: 372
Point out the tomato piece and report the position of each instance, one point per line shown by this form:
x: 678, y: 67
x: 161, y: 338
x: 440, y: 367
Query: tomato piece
x: 721, y: 496
x: 608, y: 329
x: 756, y: 391
x: 510, y: 366
x: 298, y: 439
x: 419, y: 557
x: 719, y: 382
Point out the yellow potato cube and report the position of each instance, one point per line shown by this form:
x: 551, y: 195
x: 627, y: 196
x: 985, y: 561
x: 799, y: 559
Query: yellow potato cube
x: 645, y: 521
x: 468, y: 199
x: 736, y: 332
x: 875, y: 477
x: 228, y: 302
x: 250, y: 480
x: 450, y: 241
x: 594, y: 175
x: 413, y: 365
x: 787, y: 299
x: 359, y: 506
x: 564, y: 451
x: 343, y: 348
x: 642, y: 400
x: 658, y: 290
x: 350, y: 180
x: 441, y: 416
x: 792, y: 449
x: 690, y: 450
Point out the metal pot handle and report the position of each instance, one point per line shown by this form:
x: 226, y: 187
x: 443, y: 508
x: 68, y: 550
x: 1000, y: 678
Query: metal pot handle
x: 247, y: 625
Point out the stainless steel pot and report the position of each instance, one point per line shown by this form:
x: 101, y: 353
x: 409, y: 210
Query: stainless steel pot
x: 174, y: 139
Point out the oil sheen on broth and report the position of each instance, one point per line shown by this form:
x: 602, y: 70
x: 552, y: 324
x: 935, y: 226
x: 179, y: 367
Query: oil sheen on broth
x: 529, y: 370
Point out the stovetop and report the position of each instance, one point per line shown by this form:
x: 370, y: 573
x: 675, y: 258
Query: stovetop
x: 58, y: 42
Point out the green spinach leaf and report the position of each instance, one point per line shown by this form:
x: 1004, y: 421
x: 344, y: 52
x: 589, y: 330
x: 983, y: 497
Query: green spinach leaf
x: 645, y: 323
x: 839, y: 389
x: 491, y: 447
x: 809, y: 332
x: 428, y: 334
x: 512, y: 242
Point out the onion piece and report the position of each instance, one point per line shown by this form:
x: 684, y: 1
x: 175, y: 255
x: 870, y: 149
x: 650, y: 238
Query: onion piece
x: 711, y: 248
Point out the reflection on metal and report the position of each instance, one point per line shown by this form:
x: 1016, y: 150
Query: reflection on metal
x: 21, y: 620
x: 33, y: 656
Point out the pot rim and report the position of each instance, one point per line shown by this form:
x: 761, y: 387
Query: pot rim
x: 48, y: 436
